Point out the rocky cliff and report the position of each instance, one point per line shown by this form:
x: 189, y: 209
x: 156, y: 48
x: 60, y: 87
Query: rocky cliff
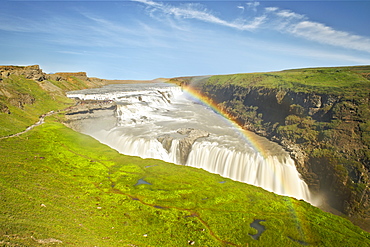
x: 34, y: 72
x: 26, y: 92
x: 90, y: 114
x: 322, y: 117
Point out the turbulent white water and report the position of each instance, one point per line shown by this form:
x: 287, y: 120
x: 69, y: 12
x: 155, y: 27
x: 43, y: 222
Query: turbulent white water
x: 148, y: 111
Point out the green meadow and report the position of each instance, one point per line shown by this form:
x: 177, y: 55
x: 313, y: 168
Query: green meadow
x: 59, y: 187
x: 341, y: 81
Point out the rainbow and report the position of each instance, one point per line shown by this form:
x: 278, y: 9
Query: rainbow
x: 298, y: 190
x: 253, y: 140
x: 248, y: 136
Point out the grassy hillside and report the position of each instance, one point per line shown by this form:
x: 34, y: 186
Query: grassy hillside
x: 23, y: 100
x: 62, y: 188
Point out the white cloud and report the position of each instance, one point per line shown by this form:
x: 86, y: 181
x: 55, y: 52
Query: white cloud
x: 289, y: 14
x: 253, y: 5
x: 318, y: 53
x: 240, y: 7
x: 271, y: 9
x: 272, y: 18
x: 324, y: 34
x: 198, y: 12
x: 148, y: 2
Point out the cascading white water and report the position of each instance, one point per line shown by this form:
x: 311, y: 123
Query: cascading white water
x: 272, y: 174
x: 147, y: 111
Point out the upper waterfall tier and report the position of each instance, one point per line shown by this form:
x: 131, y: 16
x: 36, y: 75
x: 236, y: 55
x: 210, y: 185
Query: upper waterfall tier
x: 151, y: 123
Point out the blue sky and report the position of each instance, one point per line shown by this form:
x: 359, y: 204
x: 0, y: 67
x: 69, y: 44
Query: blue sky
x: 145, y: 39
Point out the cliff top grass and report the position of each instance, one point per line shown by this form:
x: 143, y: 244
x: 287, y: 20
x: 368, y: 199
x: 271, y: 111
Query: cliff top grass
x: 340, y: 81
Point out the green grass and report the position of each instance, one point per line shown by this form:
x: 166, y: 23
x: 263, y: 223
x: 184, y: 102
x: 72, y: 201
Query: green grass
x: 73, y: 83
x: 91, y: 200
x: 336, y: 81
x: 22, y: 117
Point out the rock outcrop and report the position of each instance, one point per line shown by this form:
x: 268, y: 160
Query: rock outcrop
x: 185, y: 143
x: 91, y: 114
x: 32, y: 72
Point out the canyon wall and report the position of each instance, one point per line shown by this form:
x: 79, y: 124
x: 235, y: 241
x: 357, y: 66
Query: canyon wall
x: 325, y: 130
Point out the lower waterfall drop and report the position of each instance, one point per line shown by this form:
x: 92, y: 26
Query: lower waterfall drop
x: 272, y: 174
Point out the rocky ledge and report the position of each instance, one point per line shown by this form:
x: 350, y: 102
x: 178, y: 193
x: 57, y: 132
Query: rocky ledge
x: 34, y: 72
x: 90, y: 113
x: 190, y: 135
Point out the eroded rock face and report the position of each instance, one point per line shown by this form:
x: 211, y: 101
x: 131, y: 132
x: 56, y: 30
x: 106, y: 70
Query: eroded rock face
x: 166, y: 141
x: 185, y: 143
x: 32, y: 72
x: 20, y: 100
x: 91, y: 114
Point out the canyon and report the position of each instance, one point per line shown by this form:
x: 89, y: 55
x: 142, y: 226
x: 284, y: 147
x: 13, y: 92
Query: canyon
x: 323, y: 127
x: 64, y: 186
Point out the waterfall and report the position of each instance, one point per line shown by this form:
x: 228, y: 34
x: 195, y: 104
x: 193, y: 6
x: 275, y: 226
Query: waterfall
x: 271, y: 173
x: 148, y: 121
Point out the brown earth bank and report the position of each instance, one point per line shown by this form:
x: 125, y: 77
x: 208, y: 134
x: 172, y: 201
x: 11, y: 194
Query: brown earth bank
x: 325, y: 133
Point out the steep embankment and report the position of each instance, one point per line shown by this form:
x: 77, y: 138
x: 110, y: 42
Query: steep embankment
x: 62, y: 188
x: 322, y: 116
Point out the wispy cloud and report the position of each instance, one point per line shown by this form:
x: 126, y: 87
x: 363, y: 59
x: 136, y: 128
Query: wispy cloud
x: 299, y: 25
x: 253, y: 5
x: 324, y: 34
x: 199, y: 12
x: 86, y: 30
x: 270, y: 18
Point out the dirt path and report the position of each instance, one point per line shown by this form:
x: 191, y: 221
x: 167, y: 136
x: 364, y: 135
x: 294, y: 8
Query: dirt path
x: 41, y: 121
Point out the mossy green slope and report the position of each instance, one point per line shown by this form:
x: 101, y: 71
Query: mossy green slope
x: 62, y: 185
